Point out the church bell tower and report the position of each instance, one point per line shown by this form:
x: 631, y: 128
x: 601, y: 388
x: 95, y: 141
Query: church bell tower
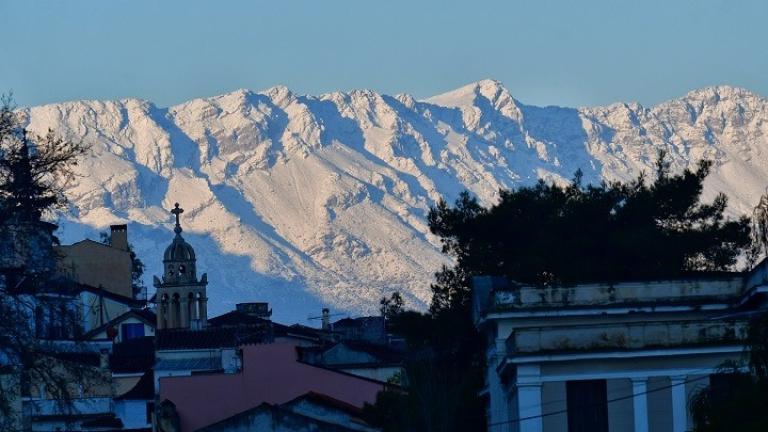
x: 181, y: 299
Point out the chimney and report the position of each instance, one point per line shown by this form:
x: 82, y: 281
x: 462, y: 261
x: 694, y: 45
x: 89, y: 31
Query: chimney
x: 326, y: 319
x: 119, y: 237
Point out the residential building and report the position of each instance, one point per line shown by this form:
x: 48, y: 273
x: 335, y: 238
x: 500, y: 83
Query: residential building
x: 99, y: 264
x: 357, y: 357
x: 625, y: 356
x: 312, y: 412
x: 270, y: 373
x: 131, y: 324
x: 70, y: 324
x: 371, y: 329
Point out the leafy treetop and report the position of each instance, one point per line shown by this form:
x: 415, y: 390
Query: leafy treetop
x: 549, y: 234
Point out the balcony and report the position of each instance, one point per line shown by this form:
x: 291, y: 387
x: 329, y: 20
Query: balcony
x: 77, y: 406
x: 723, y: 289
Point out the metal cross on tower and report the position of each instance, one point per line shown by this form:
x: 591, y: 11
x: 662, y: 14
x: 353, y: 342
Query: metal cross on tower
x: 177, y: 211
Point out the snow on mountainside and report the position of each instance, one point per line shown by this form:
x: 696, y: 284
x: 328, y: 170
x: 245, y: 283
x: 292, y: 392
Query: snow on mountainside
x: 312, y: 201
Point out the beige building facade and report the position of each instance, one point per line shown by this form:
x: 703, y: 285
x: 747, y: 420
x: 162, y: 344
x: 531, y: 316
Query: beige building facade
x: 99, y: 265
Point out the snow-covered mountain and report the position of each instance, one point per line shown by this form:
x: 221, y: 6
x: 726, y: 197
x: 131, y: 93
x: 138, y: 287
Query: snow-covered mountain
x: 312, y: 201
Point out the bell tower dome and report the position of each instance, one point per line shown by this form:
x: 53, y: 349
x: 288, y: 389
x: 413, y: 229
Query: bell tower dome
x: 179, y: 257
x: 181, y: 297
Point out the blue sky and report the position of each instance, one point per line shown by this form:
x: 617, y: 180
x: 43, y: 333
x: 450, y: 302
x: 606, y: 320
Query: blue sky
x: 569, y: 53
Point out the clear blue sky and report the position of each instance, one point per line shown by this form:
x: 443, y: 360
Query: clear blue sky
x: 568, y: 53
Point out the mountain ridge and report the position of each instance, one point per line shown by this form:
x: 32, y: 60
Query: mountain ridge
x: 311, y: 201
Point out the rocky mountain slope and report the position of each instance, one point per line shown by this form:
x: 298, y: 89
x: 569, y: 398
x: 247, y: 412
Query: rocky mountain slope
x: 312, y: 201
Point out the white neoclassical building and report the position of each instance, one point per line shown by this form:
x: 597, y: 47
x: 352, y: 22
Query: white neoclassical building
x: 625, y: 356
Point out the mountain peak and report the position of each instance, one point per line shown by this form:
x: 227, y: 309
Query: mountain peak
x: 489, y: 84
x: 714, y: 94
x: 279, y: 90
x: 467, y: 95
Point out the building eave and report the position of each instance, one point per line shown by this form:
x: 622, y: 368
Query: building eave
x: 599, y: 310
x: 511, y: 361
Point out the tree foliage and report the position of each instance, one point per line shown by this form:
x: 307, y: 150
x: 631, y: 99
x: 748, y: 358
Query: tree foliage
x: 33, y: 172
x: 740, y: 401
x: 548, y: 234
x: 33, y: 169
x: 391, y: 307
x: 760, y: 226
x: 443, y: 373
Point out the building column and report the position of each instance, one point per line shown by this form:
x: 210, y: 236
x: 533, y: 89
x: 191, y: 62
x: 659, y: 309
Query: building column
x: 529, y: 398
x: 161, y: 314
x: 173, y: 322
x: 640, y: 403
x: 194, y: 309
x: 203, y: 310
x: 502, y: 404
x: 679, y: 404
x: 169, y: 314
x: 529, y: 407
x: 184, y: 312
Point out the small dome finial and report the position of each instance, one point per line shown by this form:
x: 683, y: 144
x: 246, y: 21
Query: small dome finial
x: 177, y: 211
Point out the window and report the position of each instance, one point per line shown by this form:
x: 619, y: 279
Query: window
x: 131, y: 331
x: 56, y: 319
x: 587, y: 406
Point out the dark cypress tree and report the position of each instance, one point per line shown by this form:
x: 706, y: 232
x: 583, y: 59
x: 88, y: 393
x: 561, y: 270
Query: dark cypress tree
x: 33, y: 172
x: 33, y: 169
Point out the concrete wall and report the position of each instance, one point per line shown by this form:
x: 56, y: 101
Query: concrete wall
x: 527, y: 297
x: 133, y: 413
x: 553, y: 400
x: 621, y: 412
x: 99, y: 310
x: 626, y: 335
x: 383, y: 374
x: 96, y: 264
x: 659, y: 405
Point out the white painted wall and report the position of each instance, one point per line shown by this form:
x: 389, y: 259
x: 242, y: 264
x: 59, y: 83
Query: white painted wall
x: 553, y: 399
x: 133, y: 413
x: 620, y: 413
